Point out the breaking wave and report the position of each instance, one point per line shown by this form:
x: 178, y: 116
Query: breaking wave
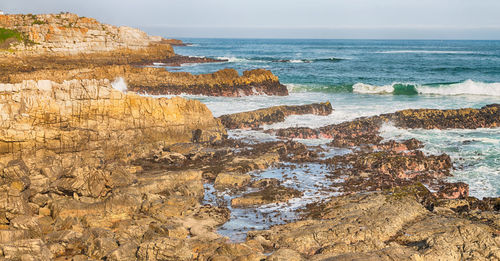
x: 426, y: 52
x: 468, y: 87
x: 232, y: 59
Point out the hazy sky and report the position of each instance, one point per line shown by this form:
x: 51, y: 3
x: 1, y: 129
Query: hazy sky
x: 403, y: 19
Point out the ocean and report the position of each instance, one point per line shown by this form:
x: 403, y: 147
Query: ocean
x: 370, y: 77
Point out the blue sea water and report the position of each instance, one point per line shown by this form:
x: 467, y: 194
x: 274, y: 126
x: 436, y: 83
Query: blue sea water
x: 370, y: 77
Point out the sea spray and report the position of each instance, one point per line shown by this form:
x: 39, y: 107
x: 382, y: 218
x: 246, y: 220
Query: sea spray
x: 468, y: 87
x: 119, y: 84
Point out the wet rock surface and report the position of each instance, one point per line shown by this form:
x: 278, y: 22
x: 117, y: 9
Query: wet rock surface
x: 90, y: 173
x: 254, y: 119
x: 365, y: 130
x: 383, y: 225
x: 176, y: 201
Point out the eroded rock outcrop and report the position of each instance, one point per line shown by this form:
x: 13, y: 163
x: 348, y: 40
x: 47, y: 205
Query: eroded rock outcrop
x: 158, y: 81
x: 254, y: 119
x: 69, y: 189
x: 70, y: 33
x: 384, y: 226
x: 365, y: 130
x: 66, y: 47
x: 88, y: 114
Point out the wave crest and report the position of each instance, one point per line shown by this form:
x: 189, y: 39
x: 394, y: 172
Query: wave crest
x: 468, y: 87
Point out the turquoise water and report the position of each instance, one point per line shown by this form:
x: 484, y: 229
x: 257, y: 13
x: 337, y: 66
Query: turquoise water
x: 370, y: 77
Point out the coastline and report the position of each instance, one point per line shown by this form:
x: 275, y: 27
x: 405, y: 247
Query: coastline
x: 90, y: 171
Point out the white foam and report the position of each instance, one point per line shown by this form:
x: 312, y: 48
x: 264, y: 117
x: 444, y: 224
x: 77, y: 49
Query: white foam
x: 427, y: 52
x: 468, y: 87
x: 232, y: 59
x: 372, y: 89
x: 297, y: 61
x: 119, y: 84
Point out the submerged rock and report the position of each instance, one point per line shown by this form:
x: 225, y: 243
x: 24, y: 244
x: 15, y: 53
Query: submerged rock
x: 254, y: 119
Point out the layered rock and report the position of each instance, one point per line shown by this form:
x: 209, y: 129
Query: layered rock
x: 89, y: 114
x: 68, y: 187
x: 65, y: 47
x: 158, y: 81
x: 69, y: 33
x: 391, y: 225
x: 254, y: 119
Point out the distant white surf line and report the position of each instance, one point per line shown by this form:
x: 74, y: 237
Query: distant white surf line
x: 468, y: 87
x: 233, y: 59
x: 427, y: 52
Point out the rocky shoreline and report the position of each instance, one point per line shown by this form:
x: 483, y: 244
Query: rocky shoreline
x: 88, y: 172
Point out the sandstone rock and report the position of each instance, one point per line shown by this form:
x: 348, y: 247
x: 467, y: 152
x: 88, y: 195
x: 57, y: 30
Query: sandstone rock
x: 164, y: 249
x: 454, y: 190
x: 124, y: 252
x: 266, y: 182
x: 73, y: 34
x: 79, y: 115
x: 384, y: 226
x: 231, y: 180
x: 156, y: 81
x: 349, y: 220
x: 361, y: 171
x: 254, y: 119
x: 284, y: 254
x: 451, y: 238
x: 29, y: 249
x: 239, y: 251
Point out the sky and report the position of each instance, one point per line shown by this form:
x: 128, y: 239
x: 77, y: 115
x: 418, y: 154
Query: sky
x: 337, y: 19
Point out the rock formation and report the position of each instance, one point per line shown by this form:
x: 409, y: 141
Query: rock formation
x: 82, y: 114
x: 254, y: 119
x: 69, y: 33
x: 365, y: 130
x: 65, y: 46
x: 158, y: 81
x: 390, y: 225
x: 88, y: 172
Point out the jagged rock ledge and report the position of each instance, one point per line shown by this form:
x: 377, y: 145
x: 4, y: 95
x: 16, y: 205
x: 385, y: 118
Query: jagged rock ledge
x: 365, y: 130
x: 64, y: 46
x: 158, y: 81
x: 256, y: 118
